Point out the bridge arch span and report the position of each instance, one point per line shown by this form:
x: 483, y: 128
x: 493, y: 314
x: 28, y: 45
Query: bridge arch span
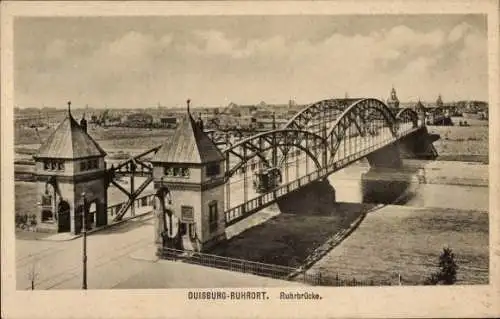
x: 360, y: 114
x: 304, y: 116
x: 407, y: 115
x: 281, y: 140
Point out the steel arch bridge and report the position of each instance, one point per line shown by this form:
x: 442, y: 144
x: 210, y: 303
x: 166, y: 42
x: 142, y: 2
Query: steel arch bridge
x: 319, y: 140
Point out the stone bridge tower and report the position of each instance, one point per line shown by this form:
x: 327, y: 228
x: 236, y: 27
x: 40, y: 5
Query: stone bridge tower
x: 188, y: 172
x: 68, y: 164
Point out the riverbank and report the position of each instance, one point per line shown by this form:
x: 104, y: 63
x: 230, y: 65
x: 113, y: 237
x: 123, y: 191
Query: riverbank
x: 407, y: 241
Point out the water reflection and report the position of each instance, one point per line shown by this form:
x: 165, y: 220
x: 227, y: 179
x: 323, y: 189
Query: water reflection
x: 428, y: 184
x: 387, y: 186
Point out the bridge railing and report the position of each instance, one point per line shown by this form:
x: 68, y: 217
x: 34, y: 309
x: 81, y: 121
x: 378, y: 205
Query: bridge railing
x: 253, y: 205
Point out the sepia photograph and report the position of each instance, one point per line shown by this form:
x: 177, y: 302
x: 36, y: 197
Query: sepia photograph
x: 212, y: 152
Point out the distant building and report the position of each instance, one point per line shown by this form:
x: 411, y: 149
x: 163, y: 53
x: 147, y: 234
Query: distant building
x: 393, y: 101
x: 267, y: 123
x: 137, y: 119
x: 168, y: 122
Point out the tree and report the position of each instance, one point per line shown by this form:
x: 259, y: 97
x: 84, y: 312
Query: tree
x: 447, y: 274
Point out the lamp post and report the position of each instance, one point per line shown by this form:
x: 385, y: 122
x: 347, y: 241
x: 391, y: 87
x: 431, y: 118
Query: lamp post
x: 84, y: 226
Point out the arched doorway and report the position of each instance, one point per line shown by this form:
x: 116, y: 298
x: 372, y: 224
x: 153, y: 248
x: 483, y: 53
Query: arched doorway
x: 64, y: 220
x: 49, y: 209
x: 167, y: 224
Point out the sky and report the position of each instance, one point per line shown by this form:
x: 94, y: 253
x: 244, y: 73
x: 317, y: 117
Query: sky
x: 135, y: 62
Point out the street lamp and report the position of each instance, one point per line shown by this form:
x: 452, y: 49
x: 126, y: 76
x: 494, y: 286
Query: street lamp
x: 84, y: 225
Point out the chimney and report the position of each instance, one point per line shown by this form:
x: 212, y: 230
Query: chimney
x: 83, y: 123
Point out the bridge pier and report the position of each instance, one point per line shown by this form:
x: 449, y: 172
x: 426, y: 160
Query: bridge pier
x: 388, y: 156
x: 318, y: 196
x: 418, y: 145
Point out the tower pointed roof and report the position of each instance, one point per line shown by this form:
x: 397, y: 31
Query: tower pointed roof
x: 70, y: 141
x: 419, y: 105
x: 189, y: 144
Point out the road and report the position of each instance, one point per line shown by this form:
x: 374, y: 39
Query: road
x: 120, y: 257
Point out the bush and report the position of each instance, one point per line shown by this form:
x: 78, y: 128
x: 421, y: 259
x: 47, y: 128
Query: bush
x: 33, y: 221
x: 447, y: 274
x: 21, y: 220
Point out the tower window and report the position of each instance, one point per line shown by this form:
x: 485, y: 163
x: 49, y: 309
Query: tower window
x: 46, y: 200
x: 53, y: 165
x: 47, y: 215
x: 169, y: 171
x: 176, y: 171
x: 213, y: 169
x: 212, y: 215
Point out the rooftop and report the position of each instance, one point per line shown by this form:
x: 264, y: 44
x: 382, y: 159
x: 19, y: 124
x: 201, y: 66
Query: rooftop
x: 70, y: 141
x: 189, y: 144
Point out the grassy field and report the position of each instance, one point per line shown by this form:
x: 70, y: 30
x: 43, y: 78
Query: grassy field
x: 113, y: 137
x: 461, y: 141
x: 408, y: 241
x: 308, y: 218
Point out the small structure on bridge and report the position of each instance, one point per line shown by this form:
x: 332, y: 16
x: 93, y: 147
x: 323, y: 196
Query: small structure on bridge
x: 188, y: 174
x: 69, y: 163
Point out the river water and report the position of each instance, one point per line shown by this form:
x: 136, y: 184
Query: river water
x: 441, y: 184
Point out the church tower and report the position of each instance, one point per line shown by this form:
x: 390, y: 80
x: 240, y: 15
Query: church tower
x: 393, y: 101
x: 188, y: 173
x: 439, y: 101
x: 67, y: 165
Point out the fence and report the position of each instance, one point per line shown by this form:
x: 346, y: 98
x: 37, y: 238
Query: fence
x: 232, y: 264
x: 262, y: 269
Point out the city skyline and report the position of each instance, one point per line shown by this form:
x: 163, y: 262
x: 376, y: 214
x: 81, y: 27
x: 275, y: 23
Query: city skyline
x: 142, y: 62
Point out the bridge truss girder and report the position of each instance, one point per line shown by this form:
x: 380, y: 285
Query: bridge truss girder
x: 129, y: 168
x: 281, y: 141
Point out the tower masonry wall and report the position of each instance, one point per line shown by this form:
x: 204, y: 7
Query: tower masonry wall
x: 208, y: 237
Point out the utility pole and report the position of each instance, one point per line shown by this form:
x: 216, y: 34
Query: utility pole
x: 84, y: 225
